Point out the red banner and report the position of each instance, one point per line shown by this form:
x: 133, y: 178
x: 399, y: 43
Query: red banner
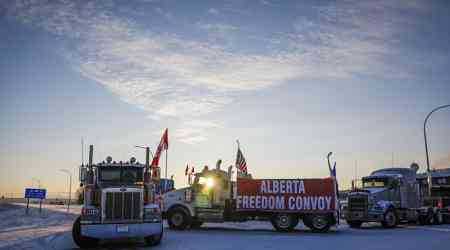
x: 287, y: 195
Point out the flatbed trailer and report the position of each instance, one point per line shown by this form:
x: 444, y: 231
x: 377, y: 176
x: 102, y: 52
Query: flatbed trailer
x: 213, y: 197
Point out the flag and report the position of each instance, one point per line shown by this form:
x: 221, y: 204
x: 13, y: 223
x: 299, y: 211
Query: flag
x: 186, y: 170
x: 333, y: 171
x: 240, y: 161
x: 163, y: 145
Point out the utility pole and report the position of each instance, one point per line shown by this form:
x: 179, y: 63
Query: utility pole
x: 70, y: 187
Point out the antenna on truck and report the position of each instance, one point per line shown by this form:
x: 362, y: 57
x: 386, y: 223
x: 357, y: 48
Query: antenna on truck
x: 82, y: 151
x: 91, y: 155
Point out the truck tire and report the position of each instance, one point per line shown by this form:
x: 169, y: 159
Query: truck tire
x: 354, y: 223
x: 154, y: 240
x: 428, y: 219
x: 196, y: 224
x: 318, y: 223
x: 82, y: 241
x: 284, y: 222
x: 390, y: 219
x: 438, y: 218
x: 178, y: 218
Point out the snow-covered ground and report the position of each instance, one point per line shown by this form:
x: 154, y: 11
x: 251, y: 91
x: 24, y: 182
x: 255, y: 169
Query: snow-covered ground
x: 52, y: 230
x: 35, y: 230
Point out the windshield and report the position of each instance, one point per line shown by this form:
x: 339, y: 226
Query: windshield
x: 374, y: 183
x: 121, y: 175
x: 110, y: 175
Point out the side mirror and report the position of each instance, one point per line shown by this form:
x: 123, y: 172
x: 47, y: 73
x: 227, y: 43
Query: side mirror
x: 394, y: 184
x: 83, y: 174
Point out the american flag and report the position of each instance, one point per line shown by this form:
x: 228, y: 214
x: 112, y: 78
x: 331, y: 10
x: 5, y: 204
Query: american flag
x: 240, y: 162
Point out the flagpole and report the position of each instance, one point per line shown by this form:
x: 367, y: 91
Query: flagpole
x: 165, y: 175
x: 82, y: 151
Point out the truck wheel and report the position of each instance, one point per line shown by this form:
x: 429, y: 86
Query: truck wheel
x: 318, y: 223
x: 178, y: 219
x: 428, y: 219
x: 354, y: 223
x: 284, y: 222
x: 390, y: 219
x: 82, y: 241
x: 196, y: 224
x: 423, y: 220
x: 438, y: 219
x: 154, y: 240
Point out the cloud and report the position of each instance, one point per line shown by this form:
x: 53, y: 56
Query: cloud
x: 213, y: 11
x: 267, y: 3
x: 166, y: 14
x: 194, y: 131
x: 217, y: 27
x: 169, y: 76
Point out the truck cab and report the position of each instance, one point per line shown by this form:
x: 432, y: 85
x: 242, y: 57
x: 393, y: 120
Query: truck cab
x: 205, y: 200
x: 388, y: 195
x: 120, y: 201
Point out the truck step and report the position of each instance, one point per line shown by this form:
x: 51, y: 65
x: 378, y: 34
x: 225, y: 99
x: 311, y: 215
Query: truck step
x: 210, y: 215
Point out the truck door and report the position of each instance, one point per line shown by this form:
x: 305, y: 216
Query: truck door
x: 404, y: 194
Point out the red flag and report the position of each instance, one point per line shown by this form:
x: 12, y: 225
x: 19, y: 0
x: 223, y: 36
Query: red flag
x: 163, y: 145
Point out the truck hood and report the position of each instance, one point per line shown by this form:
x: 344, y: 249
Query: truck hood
x: 375, y: 190
x: 174, y: 196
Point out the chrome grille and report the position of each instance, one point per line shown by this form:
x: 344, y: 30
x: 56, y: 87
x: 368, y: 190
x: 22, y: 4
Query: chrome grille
x: 122, y: 206
x: 357, y: 203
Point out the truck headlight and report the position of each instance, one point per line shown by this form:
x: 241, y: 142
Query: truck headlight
x: 377, y: 207
x: 152, y: 213
x: 380, y: 205
x: 209, y: 182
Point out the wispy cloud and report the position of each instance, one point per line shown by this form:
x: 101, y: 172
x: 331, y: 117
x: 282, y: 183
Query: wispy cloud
x: 194, y: 131
x: 213, y: 11
x: 170, y: 76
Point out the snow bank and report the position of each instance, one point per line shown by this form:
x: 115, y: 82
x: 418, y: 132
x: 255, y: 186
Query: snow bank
x: 35, y: 230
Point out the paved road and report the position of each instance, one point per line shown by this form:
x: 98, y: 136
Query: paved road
x: 53, y: 231
x: 260, y: 236
x: 6, y: 207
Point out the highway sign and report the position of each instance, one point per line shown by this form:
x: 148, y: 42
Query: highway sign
x: 35, y: 193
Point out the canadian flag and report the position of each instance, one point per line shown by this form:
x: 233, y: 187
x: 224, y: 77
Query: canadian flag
x: 163, y: 145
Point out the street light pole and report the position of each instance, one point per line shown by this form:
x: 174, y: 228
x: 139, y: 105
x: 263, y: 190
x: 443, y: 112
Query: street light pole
x: 426, y: 143
x: 70, y: 187
x: 425, y: 132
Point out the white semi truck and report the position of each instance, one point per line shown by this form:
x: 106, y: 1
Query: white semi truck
x: 214, y: 197
x: 120, y: 201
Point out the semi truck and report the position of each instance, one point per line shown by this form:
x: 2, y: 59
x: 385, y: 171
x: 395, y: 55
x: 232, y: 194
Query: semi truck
x: 215, y: 197
x: 438, y: 195
x: 390, y: 196
x: 120, y: 201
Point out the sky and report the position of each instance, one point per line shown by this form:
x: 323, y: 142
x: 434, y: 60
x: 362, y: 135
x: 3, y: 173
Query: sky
x: 291, y: 80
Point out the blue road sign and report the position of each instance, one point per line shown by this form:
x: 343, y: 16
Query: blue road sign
x: 35, y: 193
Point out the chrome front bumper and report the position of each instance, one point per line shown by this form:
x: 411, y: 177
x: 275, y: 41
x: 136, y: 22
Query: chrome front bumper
x: 114, y: 231
x: 370, y: 216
